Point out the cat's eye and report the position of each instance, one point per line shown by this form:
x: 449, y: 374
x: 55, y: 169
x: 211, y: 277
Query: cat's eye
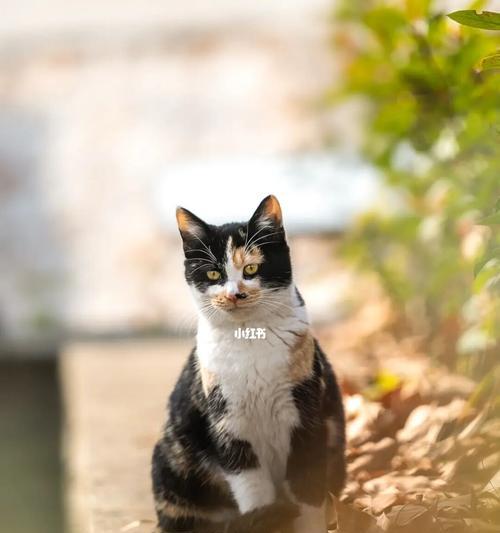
x: 251, y: 269
x: 213, y: 275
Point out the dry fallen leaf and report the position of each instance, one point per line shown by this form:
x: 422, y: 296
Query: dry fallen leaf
x: 384, y: 500
x: 421, y: 458
x: 351, y: 520
x: 480, y: 526
x: 402, y: 515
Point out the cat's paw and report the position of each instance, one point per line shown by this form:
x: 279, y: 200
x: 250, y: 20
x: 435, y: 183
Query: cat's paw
x: 277, y: 516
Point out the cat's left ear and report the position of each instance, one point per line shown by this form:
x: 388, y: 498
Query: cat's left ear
x: 190, y: 226
x: 268, y: 213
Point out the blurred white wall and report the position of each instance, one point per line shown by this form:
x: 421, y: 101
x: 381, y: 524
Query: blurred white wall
x: 102, y: 104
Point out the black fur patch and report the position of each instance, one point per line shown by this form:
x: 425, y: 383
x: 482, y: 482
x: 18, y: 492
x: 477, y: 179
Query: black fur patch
x: 299, y: 297
x: 217, y: 404
x: 312, y: 467
x: 236, y: 455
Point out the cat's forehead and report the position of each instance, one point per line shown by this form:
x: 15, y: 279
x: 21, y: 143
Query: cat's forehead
x: 233, y: 235
x: 236, y: 230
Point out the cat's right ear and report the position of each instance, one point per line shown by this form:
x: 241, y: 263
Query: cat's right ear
x: 190, y: 226
x: 268, y: 214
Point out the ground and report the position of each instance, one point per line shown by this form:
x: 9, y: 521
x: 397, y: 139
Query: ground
x: 115, y: 397
x: 423, y: 446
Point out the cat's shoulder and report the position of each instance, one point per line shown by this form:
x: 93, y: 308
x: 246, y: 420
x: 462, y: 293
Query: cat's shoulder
x: 188, y: 383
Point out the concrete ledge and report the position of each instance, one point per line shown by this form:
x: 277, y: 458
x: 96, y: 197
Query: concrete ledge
x: 114, y: 397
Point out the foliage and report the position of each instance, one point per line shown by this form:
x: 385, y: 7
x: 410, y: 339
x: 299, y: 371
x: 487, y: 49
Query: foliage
x: 485, y: 20
x: 433, y: 129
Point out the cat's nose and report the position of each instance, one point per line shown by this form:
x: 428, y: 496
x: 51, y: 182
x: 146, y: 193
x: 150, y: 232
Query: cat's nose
x: 234, y: 297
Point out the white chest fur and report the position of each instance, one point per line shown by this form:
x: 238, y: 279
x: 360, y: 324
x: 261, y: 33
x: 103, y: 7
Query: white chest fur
x: 254, y: 379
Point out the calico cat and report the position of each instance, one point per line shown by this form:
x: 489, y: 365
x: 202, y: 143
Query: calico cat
x: 255, y: 434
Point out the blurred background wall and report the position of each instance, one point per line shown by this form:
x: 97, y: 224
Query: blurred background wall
x: 112, y: 113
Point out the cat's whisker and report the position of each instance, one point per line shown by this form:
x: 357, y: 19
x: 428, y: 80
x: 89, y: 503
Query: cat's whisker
x: 261, y: 244
x: 212, y: 257
x: 255, y: 241
x: 246, y: 238
x: 270, y: 299
x: 208, y: 264
x: 208, y: 260
x: 275, y: 309
x: 269, y: 302
x: 253, y: 236
x: 207, y: 248
x: 212, y: 313
x: 206, y: 305
x: 272, y: 289
x: 271, y: 309
x: 204, y: 250
x: 198, y: 268
x: 186, y: 321
x: 268, y: 235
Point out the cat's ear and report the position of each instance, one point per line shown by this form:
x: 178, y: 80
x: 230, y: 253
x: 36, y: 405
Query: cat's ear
x: 268, y: 213
x: 190, y: 225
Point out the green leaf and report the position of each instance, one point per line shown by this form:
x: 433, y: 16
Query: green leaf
x: 491, y: 220
x: 490, y: 62
x: 486, y: 20
x: 487, y: 257
x: 494, y: 217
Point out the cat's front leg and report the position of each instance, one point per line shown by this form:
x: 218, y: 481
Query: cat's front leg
x: 306, y: 483
x: 252, y: 489
x: 251, y: 485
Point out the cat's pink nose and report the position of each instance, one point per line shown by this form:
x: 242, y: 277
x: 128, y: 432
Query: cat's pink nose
x: 234, y: 297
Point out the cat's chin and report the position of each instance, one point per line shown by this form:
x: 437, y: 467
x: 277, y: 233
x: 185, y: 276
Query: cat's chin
x: 238, y: 311
x: 234, y: 314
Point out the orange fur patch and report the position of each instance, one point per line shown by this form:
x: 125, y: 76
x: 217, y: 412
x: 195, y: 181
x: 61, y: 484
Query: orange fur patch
x: 242, y: 257
x: 208, y: 380
x: 185, y: 222
x: 182, y: 220
x: 301, y: 358
x: 272, y: 209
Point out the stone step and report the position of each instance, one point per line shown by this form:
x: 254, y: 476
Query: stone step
x: 114, y: 397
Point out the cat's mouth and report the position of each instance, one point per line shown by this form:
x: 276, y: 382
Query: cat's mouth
x: 235, y: 307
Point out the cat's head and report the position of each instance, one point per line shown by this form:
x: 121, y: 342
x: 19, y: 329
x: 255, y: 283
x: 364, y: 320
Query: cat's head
x: 236, y: 269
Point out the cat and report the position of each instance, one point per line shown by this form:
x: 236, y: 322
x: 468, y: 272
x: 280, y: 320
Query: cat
x: 255, y: 435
